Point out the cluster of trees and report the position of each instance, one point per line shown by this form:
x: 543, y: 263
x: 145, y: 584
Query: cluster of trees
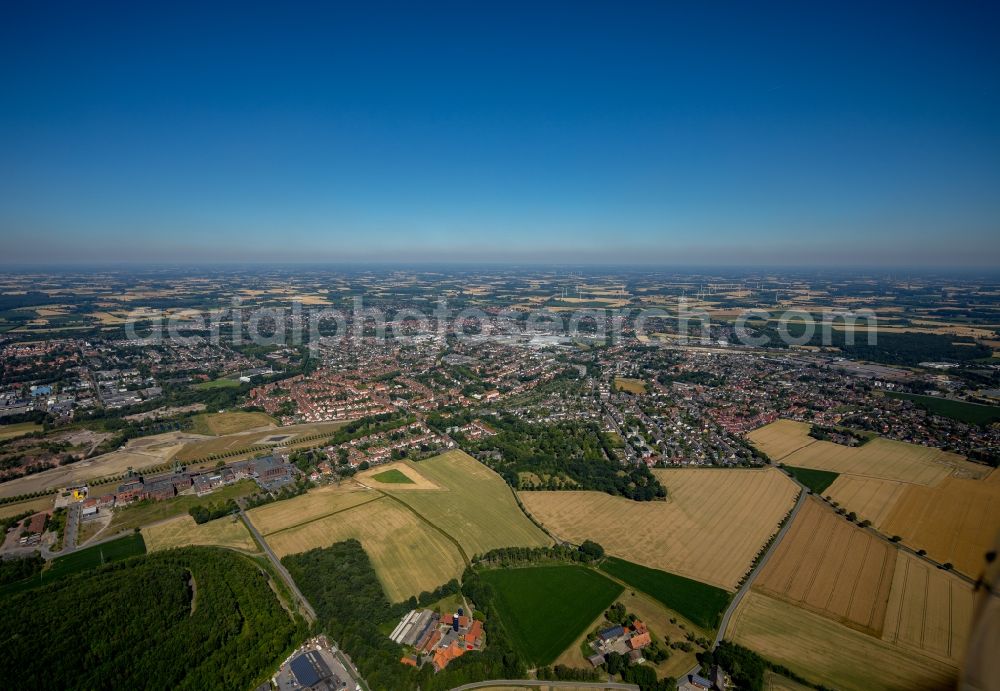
x: 341, y: 584
x: 838, y: 435
x: 142, y: 630
x: 641, y: 675
x: 695, y: 377
x: 203, y: 514
x: 587, y: 553
x: 13, y: 570
x: 580, y: 451
x: 373, y: 424
x: 10, y: 521
x: 907, y: 349
x: 746, y: 667
x: 564, y: 673
x: 300, y: 486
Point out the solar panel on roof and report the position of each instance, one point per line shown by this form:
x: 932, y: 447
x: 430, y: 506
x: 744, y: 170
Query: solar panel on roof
x: 304, y: 671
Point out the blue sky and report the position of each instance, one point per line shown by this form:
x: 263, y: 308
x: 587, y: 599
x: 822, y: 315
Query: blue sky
x: 665, y: 133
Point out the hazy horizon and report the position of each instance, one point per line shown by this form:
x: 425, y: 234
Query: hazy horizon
x: 724, y: 135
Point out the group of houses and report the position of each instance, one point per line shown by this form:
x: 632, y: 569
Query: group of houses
x: 437, y: 639
x: 624, y: 640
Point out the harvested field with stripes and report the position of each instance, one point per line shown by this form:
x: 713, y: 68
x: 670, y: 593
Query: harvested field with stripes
x: 829, y: 566
x: 956, y: 521
x: 833, y: 594
x: 869, y: 498
x: 829, y: 653
x: 788, y: 442
x: 930, y: 610
x: 314, y: 504
x: 710, y: 529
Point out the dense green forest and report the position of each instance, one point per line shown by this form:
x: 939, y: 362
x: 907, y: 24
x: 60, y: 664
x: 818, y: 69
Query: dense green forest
x: 580, y: 451
x: 193, y: 618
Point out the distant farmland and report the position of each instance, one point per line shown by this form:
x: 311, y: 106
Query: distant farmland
x: 545, y: 608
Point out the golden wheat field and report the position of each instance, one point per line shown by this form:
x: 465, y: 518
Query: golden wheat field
x: 830, y: 566
x: 957, y: 521
x: 408, y: 554
x: 183, y: 532
x: 788, y: 442
x: 829, y: 653
x: 710, y: 528
x: 870, y: 498
x: 930, y: 610
x: 473, y: 505
x: 314, y: 504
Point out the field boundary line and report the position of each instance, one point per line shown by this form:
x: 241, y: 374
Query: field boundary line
x: 461, y: 551
x: 793, y: 451
x: 319, y: 518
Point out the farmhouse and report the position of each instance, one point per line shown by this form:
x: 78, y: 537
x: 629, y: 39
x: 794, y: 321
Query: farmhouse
x: 624, y: 640
x: 436, y: 639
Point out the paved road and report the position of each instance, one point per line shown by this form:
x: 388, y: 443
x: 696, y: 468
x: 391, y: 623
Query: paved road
x: 310, y: 612
x: 757, y: 569
x: 72, y: 526
x: 285, y: 576
x: 553, y: 684
x: 724, y: 624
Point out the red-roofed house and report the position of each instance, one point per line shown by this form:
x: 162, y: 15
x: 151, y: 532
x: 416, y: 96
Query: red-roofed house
x: 474, y: 633
x: 639, y: 640
x: 445, y: 655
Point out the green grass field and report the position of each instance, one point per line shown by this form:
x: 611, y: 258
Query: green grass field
x: 816, y: 480
x: 145, y: 513
x: 477, y: 507
x: 218, y: 384
x: 702, y: 604
x: 82, y: 560
x: 545, y: 608
x: 971, y: 413
x: 393, y: 477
